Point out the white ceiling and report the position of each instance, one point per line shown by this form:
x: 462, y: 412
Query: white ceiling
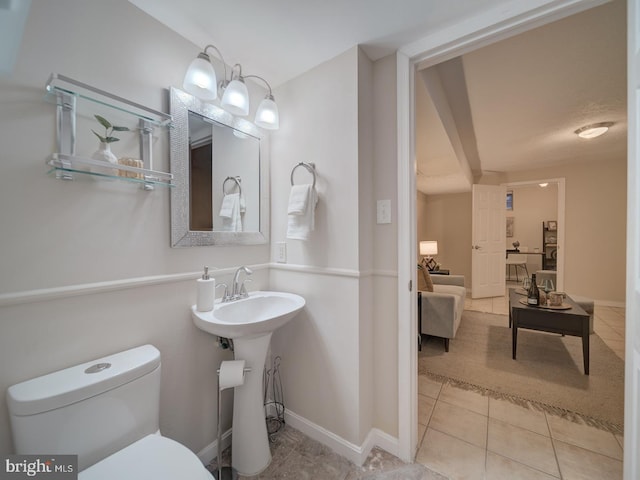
x: 280, y: 39
x: 509, y: 106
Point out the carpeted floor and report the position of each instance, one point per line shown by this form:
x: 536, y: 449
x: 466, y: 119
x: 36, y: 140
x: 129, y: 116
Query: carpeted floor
x: 548, y: 370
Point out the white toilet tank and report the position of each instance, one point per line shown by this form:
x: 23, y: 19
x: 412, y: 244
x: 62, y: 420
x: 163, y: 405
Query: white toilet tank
x: 91, y: 410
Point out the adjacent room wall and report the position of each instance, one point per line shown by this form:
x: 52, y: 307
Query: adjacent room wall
x: 595, y: 225
x: 58, y: 234
x: 447, y: 219
x: 532, y: 205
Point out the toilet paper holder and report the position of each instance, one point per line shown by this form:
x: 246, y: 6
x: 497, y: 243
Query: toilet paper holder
x: 225, y: 473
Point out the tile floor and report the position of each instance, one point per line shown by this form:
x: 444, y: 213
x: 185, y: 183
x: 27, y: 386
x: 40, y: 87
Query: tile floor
x: 298, y: 457
x: 465, y: 435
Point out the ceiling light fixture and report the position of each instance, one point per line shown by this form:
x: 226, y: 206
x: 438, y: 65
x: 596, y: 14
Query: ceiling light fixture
x: 594, y: 130
x: 201, y: 81
x: 543, y: 184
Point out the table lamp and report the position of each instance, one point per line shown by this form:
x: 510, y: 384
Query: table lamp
x: 428, y: 248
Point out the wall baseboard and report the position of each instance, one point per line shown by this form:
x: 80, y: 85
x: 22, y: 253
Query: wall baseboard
x: 356, y: 454
x: 210, y: 452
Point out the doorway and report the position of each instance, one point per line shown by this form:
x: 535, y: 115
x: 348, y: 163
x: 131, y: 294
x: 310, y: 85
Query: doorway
x: 428, y: 52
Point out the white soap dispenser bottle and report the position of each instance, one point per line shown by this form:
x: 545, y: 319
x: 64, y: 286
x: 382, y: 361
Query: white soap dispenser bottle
x: 206, y: 292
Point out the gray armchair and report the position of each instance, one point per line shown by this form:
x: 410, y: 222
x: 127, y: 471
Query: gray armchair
x: 441, y: 310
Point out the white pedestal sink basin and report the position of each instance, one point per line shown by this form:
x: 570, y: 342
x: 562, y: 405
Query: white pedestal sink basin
x: 250, y: 323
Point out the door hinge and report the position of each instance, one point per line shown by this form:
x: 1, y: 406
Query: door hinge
x: 411, y: 285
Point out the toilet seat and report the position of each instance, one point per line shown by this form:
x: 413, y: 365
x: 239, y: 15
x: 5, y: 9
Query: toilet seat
x: 153, y: 457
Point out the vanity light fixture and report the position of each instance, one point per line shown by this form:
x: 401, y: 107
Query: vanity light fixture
x: 594, y: 130
x: 201, y: 81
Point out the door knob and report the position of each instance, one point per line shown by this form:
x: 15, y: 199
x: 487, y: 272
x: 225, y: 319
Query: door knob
x: 476, y: 247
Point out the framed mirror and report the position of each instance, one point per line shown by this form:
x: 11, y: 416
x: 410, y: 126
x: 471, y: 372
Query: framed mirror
x: 220, y: 167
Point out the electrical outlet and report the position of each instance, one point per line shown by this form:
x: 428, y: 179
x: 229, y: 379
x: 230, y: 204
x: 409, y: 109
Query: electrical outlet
x: 384, y: 211
x: 281, y: 252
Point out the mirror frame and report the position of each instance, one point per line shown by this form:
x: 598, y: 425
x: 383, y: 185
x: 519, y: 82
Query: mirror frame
x: 181, y: 103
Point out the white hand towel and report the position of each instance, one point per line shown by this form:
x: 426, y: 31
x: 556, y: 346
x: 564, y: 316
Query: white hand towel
x: 226, y: 209
x: 299, y: 226
x: 230, y: 213
x: 298, y: 199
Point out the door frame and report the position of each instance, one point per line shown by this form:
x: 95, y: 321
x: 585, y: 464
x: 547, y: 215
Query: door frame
x: 494, y: 24
x: 560, y: 181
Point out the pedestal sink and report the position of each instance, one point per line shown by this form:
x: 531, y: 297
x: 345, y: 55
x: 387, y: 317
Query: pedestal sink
x: 250, y: 323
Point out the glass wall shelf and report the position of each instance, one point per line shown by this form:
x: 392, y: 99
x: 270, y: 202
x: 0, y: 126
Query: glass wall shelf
x: 66, y: 93
x: 61, y: 84
x: 65, y: 166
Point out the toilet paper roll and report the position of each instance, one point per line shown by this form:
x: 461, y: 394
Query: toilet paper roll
x: 231, y: 374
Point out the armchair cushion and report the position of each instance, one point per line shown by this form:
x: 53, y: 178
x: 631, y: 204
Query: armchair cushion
x: 442, y: 309
x: 425, y: 282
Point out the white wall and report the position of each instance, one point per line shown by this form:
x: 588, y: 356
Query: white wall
x: 339, y: 356
x: 57, y: 233
x: 320, y: 349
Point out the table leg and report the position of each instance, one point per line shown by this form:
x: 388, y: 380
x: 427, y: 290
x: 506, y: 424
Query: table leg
x: 585, y: 348
x: 510, y: 315
x: 514, y: 340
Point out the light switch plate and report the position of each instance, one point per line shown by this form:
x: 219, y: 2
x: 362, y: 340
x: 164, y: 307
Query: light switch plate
x: 384, y: 211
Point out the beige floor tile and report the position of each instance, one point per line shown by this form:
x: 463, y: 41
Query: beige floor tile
x: 584, y: 436
x: 523, y: 446
x: 425, y: 408
x: 578, y: 463
x: 519, y: 416
x: 422, y: 429
x: 620, y: 440
x: 617, y: 346
x: 428, y: 387
x: 451, y: 457
x: 606, y: 332
x: 503, y: 468
x: 460, y: 423
x: 465, y: 398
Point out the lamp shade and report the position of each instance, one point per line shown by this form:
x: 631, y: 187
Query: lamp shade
x: 429, y: 247
x: 200, y: 79
x: 236, y: 98
x: 267, y: 114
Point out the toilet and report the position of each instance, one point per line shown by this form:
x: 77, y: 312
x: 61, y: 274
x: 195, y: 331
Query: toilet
x: 107, y: 412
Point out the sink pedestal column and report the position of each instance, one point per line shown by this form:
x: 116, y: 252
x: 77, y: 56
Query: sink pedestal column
x: 250, y: 441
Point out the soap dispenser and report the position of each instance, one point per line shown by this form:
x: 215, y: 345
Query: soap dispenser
x: 206, y: 292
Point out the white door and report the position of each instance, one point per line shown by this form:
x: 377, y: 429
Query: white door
x: 488, y: 239
x: 632, y: 356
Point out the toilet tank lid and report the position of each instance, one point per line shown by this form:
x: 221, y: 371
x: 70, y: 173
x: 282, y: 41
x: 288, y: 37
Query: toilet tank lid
x: 74, y: 384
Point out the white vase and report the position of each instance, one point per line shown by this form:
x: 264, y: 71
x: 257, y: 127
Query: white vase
x: 105, y: 154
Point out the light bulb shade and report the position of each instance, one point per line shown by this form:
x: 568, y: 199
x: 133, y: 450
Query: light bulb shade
x: 429, y: 247
x: 200, y: 79
x: 236, y: 98
x: 267, y: 114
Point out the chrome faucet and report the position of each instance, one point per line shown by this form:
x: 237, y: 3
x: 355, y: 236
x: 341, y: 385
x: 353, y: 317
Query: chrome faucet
x: 239, y: 291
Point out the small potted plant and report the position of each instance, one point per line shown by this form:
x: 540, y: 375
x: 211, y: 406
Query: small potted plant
x: 104, y: 153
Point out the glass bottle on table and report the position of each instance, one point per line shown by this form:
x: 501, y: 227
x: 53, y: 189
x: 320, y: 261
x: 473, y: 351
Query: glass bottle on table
x: 533, y: 294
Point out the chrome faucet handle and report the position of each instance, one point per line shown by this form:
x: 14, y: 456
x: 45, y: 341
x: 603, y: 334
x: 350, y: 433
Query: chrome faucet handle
x: 225, y: 295
x: 243, y: 291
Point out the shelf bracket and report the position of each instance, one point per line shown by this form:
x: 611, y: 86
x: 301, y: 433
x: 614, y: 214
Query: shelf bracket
x: 66, y: 131
x: 146, y: 147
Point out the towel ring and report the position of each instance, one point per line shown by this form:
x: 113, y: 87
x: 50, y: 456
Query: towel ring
x: 311, y: 167
x: 237, y: 180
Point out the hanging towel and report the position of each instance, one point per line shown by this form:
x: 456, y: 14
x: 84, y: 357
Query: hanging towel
x: 301, y: 222
x: 230, y: 213
x: 298, y: 199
